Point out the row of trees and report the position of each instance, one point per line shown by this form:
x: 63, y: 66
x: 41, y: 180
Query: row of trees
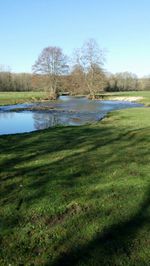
x: 74, y: 82
x: 125, y: 81
x: 53, y: 71
x: 15, y: 82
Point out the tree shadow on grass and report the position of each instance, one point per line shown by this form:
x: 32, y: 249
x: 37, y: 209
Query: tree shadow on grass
x: 65, y: 139
x: 61, y: 177
x: 115, y: 241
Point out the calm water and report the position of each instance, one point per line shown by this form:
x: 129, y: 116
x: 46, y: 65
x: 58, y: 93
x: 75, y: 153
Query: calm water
x: 65, y: 111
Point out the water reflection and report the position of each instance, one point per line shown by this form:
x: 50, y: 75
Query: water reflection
x: 45, y: 120
x: 6, y: 115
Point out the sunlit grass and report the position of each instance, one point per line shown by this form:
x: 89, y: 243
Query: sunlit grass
x: 144, y: 96
x: 20, y: 97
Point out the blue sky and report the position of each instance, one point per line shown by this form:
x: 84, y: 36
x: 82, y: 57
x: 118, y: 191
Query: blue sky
x: 120, y: 27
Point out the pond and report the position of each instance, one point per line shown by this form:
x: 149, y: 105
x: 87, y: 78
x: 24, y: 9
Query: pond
x: 66, y: 110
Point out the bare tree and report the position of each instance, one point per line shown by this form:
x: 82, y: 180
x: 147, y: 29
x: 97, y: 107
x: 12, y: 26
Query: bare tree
x: 78, y: 85
x: 51, y: 63
x: 124, y: 81
x: 127, y: 81
x: 144, y: 83
x: 90, y: 58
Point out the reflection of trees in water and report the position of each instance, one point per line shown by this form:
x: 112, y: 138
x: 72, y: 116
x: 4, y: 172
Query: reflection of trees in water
x: 6, y: 115
x: 45, y: 120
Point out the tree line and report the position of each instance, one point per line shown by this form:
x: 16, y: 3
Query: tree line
x: 84, y: 73
x: 15, y: 82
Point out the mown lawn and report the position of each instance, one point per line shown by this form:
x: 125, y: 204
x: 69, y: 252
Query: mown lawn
x: 78, y: 195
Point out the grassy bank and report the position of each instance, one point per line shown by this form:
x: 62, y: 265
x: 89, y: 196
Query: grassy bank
x: 21, y: 97
x: 142, y: 96
x: 77, y: 195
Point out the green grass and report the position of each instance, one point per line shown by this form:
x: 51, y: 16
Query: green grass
x: 20, y: 97
x: 78, y: 195
x: 144, y: 94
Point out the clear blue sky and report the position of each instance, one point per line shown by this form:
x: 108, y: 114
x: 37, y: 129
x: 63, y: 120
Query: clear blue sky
x: 121, y: 27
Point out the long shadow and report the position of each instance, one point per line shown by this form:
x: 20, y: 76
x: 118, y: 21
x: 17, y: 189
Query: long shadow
x: 47, y: 142
x: 107, y: 244
x: 112, y: 242
x: 47, y: 173
x: 69, y: 138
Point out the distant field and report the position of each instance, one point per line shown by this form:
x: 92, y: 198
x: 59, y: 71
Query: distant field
x: 144, y: 94
x: 20, y: 97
